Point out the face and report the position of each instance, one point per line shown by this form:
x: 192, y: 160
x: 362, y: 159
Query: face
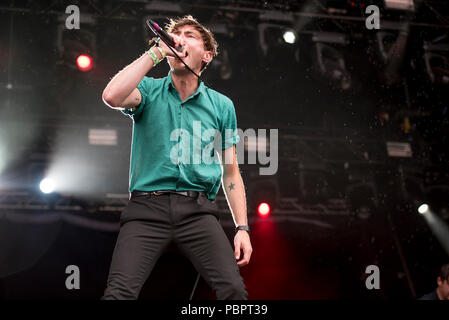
x: 443, y: 289
x: 196, y: 53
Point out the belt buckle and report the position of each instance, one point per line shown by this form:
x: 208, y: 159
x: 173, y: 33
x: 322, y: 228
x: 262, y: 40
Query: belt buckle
x: 157, y: 193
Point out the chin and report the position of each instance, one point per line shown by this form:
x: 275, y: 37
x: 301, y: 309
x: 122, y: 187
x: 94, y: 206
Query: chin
x: 180, y: 68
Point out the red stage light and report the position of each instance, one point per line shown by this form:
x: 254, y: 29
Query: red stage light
x: 84, y: 62
x: 263, y: 209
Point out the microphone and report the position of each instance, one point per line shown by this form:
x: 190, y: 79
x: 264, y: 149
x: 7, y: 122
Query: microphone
x: 164, y: 35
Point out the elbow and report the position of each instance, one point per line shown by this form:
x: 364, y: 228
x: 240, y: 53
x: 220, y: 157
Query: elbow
x: 230, y: 170
x: 230, y: 173
x: 109, y: 99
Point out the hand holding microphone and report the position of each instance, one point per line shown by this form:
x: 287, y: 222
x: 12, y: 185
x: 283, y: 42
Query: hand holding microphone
x: 178, y: 43
x: 169, y: 41
x: 172, y: 40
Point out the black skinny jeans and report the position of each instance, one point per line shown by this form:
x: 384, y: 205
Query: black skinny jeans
x: 149, y: 224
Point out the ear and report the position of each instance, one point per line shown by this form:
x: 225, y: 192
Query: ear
x: 207, y: 57
x: 439, y: 282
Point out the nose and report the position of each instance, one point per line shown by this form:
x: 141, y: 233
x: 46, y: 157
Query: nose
x: 183, y: 39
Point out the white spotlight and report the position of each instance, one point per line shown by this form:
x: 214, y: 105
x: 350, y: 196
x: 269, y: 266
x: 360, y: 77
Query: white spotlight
x: 424, y: 208
x: 47, y: 185
x: 289, y: 37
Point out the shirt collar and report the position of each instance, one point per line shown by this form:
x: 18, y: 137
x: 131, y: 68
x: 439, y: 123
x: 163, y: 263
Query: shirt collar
x: 169, y: 84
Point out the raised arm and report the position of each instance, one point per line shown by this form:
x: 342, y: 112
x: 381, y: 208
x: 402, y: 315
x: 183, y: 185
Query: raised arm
x: 121, y: 92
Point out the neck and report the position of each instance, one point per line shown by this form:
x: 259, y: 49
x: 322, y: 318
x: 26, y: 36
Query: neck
x: 186, y: 83
x: 439, y: 293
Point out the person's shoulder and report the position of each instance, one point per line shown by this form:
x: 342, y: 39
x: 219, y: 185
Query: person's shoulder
x: 150, y: 86
x: 154, y: 81
x: 430, y: 296
x: 219, y: 98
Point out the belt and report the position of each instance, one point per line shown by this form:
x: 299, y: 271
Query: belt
x: 189, y: 193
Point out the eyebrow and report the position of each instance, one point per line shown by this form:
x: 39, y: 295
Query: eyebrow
x: 194, y: 32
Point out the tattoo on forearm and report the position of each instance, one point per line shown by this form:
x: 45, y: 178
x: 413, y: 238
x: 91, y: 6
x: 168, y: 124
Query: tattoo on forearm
x: 231, y: 186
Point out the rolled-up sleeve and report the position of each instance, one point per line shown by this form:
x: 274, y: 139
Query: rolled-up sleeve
x: 144, y: 88
x: 229, y: 131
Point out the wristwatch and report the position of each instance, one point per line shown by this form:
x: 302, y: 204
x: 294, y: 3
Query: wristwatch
x: 242, y: 228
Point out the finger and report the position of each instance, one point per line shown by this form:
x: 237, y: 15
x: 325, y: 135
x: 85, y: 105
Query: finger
x: 247, y: 253
x: 237, y: 250
x: 242, y: 262
x: 152, y: 40
x: 174, y: 37
x: 247, y: 250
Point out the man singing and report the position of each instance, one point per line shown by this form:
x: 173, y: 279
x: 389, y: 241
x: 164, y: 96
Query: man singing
x: 171, y: 192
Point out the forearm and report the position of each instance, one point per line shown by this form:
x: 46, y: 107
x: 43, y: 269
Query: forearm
x: 235, y: 194
x: 125, y: 81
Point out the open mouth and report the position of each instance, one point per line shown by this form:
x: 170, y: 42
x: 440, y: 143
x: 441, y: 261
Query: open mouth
x: 182, y: 58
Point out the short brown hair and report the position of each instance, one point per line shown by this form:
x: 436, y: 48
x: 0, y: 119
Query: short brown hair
x: 210, y: 44
x: 444, y: 272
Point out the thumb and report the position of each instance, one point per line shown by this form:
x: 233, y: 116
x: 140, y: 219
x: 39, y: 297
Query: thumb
x: 237, y: 250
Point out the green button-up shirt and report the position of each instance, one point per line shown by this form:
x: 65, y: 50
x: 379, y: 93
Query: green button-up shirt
x: 174, y: 143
